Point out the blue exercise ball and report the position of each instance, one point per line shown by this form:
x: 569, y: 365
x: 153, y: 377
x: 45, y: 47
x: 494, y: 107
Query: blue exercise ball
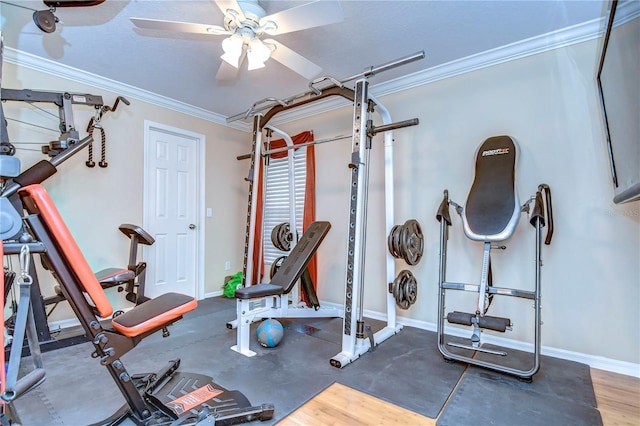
x: 270, y: 333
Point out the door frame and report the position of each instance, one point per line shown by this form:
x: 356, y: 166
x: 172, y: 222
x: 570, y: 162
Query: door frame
x: 200, y: 194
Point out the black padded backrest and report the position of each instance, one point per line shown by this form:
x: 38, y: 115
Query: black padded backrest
x: 492, y: 198
x: 294, y: 265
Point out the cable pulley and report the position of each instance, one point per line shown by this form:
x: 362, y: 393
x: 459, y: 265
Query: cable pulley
x: 404, y: 289
x: 281, y: 236
x: 406, y: 242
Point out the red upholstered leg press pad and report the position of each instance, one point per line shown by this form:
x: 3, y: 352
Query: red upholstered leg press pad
x: 154, y: 314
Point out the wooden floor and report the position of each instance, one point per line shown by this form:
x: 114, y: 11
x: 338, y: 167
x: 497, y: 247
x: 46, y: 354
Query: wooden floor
x: 618, y: 398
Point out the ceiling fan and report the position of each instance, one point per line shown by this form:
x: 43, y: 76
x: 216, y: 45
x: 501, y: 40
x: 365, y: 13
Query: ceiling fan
x: 246, y: 22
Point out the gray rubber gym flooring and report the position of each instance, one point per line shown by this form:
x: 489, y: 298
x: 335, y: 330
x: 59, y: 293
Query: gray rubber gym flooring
x: 406, y: 370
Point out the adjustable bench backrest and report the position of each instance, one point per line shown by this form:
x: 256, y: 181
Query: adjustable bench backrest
x: 292, y: 267
x: 36, y: 200
x: 140, y: 321
x: 492, y: 210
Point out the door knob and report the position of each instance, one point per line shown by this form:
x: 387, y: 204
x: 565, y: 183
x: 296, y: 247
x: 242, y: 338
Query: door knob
x: 192, y: 226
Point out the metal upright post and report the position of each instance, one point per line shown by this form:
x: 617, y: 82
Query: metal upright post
x: 357, y: 224
x: 252, y: 203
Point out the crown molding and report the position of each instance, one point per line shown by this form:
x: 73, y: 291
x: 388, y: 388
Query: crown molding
x: 37, y: 63
x: 546, y: 42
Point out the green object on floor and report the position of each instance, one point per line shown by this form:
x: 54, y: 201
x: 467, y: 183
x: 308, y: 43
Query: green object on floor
x: 232, y: 285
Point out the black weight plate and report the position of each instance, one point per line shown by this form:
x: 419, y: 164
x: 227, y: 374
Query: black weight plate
x: 391, y: 241
x: 284, y: 236
x: 274, y: 236
x: 405, y: 289
x: 276, y: 265
x: 412, y: 242
x: 396, y: 241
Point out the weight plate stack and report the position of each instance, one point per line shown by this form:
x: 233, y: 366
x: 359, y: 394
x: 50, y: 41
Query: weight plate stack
x: 404, y: 289
x: 406, y: 242
x: 281, y: 236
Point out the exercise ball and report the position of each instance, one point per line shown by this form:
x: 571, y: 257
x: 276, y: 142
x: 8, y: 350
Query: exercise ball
x: 270, y: 333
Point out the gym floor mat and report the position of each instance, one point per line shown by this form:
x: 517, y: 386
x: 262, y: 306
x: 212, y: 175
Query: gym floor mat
x: 406, y: 370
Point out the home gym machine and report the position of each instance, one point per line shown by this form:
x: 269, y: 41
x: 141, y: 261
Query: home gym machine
x: 130, y: 279
x: 490, y: 215
x: 167, y: 397
x: 356, y: 337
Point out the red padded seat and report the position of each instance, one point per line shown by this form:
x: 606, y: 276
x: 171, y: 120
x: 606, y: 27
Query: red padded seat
x: 154, y: 314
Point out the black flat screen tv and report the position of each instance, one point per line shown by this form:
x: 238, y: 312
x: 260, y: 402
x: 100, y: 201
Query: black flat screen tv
x: 618, y: 83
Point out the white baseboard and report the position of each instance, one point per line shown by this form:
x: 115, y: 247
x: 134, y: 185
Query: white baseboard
x: 594, y: 361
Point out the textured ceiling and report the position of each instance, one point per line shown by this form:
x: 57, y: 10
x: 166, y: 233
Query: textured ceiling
x: 102, y: 40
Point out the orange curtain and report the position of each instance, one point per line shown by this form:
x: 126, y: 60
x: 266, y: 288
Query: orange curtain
x: 258, y: 257
x: 310, y: 208
x: 309, y: 201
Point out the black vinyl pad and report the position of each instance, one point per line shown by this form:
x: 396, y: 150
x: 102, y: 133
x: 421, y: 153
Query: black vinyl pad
x: 292, y: 267
x: 492, y: 197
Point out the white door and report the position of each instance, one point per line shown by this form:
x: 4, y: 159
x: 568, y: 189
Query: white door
x: 171, y: 206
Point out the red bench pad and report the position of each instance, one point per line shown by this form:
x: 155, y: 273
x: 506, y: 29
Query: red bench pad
x: 154, y: 314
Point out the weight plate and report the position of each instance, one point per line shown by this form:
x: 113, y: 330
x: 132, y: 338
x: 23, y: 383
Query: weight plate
x: 276, y: 265
x: 392, y: 242
x: 274, y: 236
x: 412, y: 242
x: 405, y: 289
x: 284, y: 237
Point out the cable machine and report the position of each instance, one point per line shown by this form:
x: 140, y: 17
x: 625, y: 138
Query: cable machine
x: 357, y: 338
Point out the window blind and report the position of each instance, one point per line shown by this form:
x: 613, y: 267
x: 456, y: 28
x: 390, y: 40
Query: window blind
x: 276, y: 199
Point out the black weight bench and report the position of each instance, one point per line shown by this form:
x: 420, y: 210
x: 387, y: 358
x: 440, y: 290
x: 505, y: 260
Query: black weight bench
x: 148, y: 396
x: 270, y: 300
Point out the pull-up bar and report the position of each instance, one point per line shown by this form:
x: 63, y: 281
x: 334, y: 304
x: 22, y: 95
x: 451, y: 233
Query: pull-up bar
x: 268, y: 103
x: 375, y: 130
x: 286, y: 148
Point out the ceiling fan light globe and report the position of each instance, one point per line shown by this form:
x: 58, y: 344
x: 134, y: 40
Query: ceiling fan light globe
x: 232, y: 44
x: 259, y: 50
x: 232, y: 47
x: 231, y: 59
x: 254, y: 64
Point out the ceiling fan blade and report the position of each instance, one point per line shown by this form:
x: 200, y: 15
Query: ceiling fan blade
x: 230, y: 4
x: 294, y: 61
x: 228, y: 72
x: 184, y: 27
x: 314, y: 14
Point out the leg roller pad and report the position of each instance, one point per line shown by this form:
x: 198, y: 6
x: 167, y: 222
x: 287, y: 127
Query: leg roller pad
x: 461, y: 318
x: 491, y: 323
x: 494, y: 323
